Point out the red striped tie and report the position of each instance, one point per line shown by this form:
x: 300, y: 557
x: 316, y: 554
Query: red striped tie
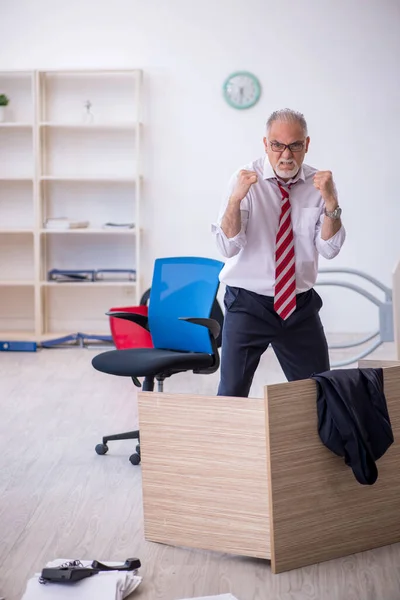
x: 285, y: 271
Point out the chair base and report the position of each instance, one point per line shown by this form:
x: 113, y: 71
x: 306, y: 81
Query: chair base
x: 148, y: 386
x: 129, y: 435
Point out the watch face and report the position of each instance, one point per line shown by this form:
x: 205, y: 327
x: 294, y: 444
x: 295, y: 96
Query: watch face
x: 242, y: 90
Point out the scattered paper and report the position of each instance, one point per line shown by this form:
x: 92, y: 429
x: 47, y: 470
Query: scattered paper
x: 106, y: 585
x: 220, y: 597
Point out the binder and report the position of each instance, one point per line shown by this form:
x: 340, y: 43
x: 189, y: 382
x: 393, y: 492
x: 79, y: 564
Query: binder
x: 77, y: 275
x: 12, y: 346
x: 115, y: 275
x: 76, y: 339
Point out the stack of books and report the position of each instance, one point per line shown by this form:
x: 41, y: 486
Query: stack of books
x: 65, y: 223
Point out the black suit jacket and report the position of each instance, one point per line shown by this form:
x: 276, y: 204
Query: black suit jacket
x: 353, y: 419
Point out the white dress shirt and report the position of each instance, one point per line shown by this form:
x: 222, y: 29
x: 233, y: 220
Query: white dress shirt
x: 251, y: 253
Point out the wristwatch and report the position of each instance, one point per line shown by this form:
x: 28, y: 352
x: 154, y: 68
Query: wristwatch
x: 333, y: 214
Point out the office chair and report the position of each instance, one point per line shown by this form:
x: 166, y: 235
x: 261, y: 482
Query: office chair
x: 126, y: 334
x: 184, y: 337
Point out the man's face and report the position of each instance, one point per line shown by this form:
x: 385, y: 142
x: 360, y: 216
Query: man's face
x: 286, y: 162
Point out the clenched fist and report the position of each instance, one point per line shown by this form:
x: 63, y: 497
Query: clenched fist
x: 323, y: 181
x: 244, y: 182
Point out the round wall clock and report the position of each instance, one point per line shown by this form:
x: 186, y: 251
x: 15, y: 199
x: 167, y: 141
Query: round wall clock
x: 242, y: 90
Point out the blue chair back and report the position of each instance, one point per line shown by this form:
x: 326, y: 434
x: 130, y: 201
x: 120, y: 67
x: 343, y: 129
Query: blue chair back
x: 182, y: 287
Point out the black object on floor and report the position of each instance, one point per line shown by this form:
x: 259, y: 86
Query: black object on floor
x: 66, y: 574
x: 75, y: 571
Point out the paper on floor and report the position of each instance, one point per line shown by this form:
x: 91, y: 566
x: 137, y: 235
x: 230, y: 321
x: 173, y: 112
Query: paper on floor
x: 107, y: 585
x: 220, y: 597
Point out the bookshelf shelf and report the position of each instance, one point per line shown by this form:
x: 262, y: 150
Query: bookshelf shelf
x: 10, y: 230
x: 93, y: 127
x: 17, y: 336
x: 88, y: 178
x: 12, y: 125
x: 88, y: 231
x: 16, y: 283
x: 12, y: 179
x: 99, y: 284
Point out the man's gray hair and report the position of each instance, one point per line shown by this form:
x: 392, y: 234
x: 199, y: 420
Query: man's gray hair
x: 287, y: 114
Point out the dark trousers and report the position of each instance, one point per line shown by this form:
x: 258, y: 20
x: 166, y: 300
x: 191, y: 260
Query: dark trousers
x: 251, y: 325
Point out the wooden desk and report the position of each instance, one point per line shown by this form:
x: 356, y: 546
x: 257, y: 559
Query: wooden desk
x: 251, y: 477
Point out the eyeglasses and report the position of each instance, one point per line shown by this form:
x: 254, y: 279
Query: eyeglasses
x: 294, y: 147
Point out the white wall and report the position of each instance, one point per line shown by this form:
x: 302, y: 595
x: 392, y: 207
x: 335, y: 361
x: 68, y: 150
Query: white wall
x: 337, y: 61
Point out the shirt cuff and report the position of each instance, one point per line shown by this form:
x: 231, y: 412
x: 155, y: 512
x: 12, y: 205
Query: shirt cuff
x: 217, y: 229
x: 228, y: 246
x: 331, y: 248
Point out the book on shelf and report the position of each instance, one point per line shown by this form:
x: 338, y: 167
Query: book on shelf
x: 77, y: 275
x: 115, y: 275
x: 65, y: 223
x: 110, y: 225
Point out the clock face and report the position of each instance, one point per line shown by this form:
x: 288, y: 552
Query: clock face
x: 242, y: 90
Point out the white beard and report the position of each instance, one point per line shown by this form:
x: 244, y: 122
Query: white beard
x: 285, y: 174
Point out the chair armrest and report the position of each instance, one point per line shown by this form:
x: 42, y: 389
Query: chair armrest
x: 141, y: 320
x: 212, y: 325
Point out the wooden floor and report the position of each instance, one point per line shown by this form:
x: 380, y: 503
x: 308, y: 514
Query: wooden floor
x: 58, y: 499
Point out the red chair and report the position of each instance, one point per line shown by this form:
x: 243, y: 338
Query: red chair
x: 126, y: 334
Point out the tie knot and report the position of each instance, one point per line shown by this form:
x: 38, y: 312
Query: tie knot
x: 285, y: 193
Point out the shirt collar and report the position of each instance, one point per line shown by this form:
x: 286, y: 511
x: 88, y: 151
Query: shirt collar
x: 269, y: 173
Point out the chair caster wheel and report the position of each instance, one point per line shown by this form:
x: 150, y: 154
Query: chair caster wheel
x: 135, y: 459
x: 138, y: 449
x: 101, y: 448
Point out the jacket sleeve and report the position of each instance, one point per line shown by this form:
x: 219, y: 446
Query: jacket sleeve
x: 229, y: 247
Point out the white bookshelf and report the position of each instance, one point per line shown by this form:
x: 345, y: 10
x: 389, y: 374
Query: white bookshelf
x: 57, y: 160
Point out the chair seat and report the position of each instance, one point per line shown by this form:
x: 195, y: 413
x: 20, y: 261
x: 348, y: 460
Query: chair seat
x: 147, y: 362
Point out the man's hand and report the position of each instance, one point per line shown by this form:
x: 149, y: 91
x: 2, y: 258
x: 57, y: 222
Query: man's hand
x: 323, y: 181
x: 244, y: 182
